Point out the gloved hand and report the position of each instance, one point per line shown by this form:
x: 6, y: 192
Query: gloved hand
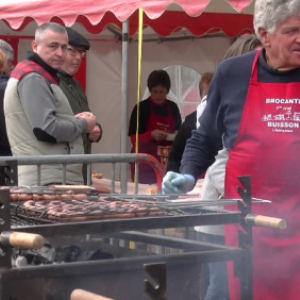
x: 175, y: 183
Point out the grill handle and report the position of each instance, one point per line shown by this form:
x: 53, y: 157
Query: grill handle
x: 266, y: 222
x: 84, y: 295
x: 22, y: 240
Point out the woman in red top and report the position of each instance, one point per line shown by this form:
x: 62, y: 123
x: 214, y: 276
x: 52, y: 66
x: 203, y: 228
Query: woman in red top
x: 158, y: 117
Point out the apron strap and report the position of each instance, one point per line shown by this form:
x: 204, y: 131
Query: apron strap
x: 254, y: 72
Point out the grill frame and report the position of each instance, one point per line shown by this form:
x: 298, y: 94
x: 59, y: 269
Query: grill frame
x: 115, y: 228
x: 241, y: 256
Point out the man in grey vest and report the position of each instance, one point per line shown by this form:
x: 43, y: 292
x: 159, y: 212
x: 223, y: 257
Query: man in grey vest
x: 39, y: 119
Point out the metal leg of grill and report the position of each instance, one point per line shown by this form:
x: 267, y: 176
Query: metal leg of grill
x: 11, y: 173
x: 5, y: 251
x: 245, y: 264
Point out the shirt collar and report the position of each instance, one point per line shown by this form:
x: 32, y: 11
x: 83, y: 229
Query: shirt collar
x: 204, y: 99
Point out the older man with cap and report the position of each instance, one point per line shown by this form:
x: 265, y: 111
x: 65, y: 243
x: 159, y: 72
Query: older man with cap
x: 254, y: 106
x: 77, y: 47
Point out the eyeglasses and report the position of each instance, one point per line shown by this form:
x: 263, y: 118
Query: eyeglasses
x: 74, y: 52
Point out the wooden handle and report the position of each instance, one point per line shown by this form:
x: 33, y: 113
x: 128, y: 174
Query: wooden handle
x: 22, y: 240
x: 267, y: 222
x: 84, y: 295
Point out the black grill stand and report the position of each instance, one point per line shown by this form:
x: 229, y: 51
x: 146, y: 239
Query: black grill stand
x: 202, y: 252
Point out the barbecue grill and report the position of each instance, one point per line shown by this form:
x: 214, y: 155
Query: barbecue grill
x: 114, y: 278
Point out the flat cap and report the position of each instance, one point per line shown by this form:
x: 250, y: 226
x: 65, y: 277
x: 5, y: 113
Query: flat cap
x: 76, y: 39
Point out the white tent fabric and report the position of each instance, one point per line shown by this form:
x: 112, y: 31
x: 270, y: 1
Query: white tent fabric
x: 104, y: 78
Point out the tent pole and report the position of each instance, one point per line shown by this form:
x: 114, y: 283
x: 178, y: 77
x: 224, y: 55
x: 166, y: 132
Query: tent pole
x: 124, y: 87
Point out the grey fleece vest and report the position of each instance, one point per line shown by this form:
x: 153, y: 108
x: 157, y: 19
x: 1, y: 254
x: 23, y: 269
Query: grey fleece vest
x: 23, y: 141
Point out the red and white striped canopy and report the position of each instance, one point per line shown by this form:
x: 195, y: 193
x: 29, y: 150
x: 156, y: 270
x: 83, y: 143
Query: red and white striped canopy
x: 163, y: 16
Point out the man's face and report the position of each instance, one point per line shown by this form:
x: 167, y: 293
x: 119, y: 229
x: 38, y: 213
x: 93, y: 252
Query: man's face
x: 284, y: 45
x: 52, y: 48
x: 73, y: 60
x: 159, y: 94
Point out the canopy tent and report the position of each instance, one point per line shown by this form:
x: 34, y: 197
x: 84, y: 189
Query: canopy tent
x: 105, y: 18
x: 198, y: 16
x: 99, y: 20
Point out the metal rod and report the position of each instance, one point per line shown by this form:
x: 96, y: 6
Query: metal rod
x: 38, y: 174
x: 167, y: 241
x: 136, y: 187
x: 113, y: 177
x: 88, y: 175
x: 186, y: 204
x: 74, y: 159
x: 124, y: 101
x: 124, y: 264
x: 117, y: 225
x: 64, y: 173
x: 158, y: 248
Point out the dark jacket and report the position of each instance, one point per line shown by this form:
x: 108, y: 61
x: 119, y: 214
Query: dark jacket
x: 145, y: 115
x: 184, y: 133
x: 78, y: 102
x: 4, y: 144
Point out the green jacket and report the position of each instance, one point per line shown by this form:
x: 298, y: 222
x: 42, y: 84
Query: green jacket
x: 78, y: 102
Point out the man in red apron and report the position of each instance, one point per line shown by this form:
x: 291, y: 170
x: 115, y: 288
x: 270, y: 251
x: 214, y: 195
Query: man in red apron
x: 158, y: 117
x: 254, y: 105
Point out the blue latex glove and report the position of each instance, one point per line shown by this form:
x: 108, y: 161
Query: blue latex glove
x: 175, y: 183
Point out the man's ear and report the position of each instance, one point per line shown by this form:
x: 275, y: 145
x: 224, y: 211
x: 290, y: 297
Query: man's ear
x: 264, y: 37
x: 34, y: 46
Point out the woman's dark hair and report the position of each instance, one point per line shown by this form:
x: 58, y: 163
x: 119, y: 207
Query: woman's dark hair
x: 159, y: 77
x: 244, y: 44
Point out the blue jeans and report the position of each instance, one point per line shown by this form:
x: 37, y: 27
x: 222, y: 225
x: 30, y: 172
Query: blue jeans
x: 218, y: 279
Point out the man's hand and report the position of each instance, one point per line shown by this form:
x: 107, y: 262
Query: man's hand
x: 175, y: 183
x: 95, y: 134
x: 158, y: 135
x: 90, y: 119
x: 84, y: 115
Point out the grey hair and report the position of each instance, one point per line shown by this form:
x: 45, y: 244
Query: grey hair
x: 269, y: 14
x: 51, y: 26
x: 7, y: 49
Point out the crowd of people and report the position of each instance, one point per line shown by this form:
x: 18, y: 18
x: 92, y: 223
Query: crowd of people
x: 44, y: 110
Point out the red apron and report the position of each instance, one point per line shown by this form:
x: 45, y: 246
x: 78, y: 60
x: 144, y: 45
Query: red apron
x: 268, y: 149
x: 159, y: 150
